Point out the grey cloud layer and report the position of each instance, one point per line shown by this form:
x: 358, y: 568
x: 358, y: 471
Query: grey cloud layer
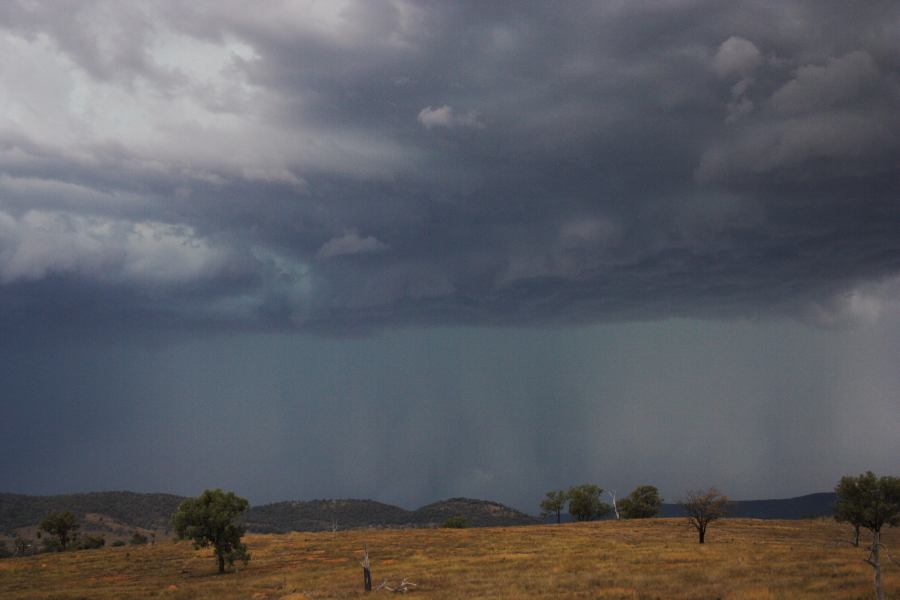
x: 345, y: 165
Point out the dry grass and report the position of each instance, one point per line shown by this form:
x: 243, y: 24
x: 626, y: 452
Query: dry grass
x: 628, y: 559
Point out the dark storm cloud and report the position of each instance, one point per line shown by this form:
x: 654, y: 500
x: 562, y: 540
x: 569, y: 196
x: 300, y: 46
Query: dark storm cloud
x: 344, y: 166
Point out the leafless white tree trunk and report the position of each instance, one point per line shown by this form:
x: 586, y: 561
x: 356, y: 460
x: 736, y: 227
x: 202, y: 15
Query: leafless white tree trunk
x: 612, y: 495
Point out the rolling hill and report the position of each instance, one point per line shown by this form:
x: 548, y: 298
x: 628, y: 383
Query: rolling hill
x: 116, y: 513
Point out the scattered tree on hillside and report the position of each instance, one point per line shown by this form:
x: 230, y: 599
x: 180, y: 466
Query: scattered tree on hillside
x: 643, y: 502
x: 91, y: 542
x: 585, y: 503
x: 61, y: 525
x: 703, y: 508
x: 138, y: 539
x: 455, y: 522
x: 553, y: 504
x: 209, y: 521
x: 873, y: 502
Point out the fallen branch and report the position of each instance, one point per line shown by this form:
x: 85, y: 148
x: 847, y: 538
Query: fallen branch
x: 404, y: 586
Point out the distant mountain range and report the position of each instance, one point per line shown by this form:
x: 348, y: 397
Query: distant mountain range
x: 117, y: 512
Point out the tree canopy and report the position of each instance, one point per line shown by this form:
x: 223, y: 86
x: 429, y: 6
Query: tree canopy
x: 642, y: 503
x: 585, y: 503
x: 553, y: 503
x: 871, y: 502
x: 61, y: 525
x: 209, y: 521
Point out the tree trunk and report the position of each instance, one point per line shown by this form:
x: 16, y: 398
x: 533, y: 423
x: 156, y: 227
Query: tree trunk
x: 221, y: 557
x: 557, y: 516
x: 876, y: 564
x: 367, y: 573
x: 702, y: 531
x: 856, y: 536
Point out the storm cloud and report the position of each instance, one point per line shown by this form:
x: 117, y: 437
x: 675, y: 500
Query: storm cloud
x: 502, y: 164
x: 349, y: 169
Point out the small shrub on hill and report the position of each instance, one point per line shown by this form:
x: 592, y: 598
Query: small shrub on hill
x: 457, y: 522
x: 138, y: 539
x: 91, y: 542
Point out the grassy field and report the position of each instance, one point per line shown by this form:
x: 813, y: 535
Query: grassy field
x: 657, y: 558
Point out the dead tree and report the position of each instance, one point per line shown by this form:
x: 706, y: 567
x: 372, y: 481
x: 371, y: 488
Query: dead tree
x: 702, y: 508
x: 367, y: 573
x: 612, y: 496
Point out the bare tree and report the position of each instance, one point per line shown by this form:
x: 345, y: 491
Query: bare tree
x: 367, y: 571
x: 702, y: 508
x: 612, y: 496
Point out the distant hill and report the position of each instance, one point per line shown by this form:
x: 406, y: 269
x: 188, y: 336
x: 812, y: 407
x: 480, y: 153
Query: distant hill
x: 809, y: 506
x: 322, y: 515
x: 319, y: 515
x: 145, y: 511
x: 477, y: 513
x: 115, y: 512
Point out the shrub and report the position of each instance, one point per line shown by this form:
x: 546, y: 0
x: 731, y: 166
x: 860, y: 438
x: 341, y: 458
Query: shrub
x: 91, y: 542
x: 138, y: 539
x: 457, y: 522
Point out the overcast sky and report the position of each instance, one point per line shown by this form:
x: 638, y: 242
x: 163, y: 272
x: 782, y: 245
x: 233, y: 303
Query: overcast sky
x: 412, y: 250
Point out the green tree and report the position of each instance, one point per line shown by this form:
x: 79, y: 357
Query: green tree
x: 209, y: 521
x: 61, y: 525
x: 553, y: 503
x: 872, y: 502
x: 643, y: 502
x: 585, y: 503
x: 849, y: 505
x: 702, y: 508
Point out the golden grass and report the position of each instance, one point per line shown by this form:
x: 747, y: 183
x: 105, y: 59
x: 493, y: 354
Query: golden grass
x: 660, y: 558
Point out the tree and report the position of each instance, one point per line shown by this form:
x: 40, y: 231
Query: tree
x: 61, y: 525
x: 849, y: 505
x: 642, y: 503
x: 209, y: 521
x: 585, y: 503
x: 873, y: 502
x: 703, y: 508
x: 553, y: 503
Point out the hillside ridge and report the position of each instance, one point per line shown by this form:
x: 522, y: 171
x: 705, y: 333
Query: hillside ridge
x: 152, y: 511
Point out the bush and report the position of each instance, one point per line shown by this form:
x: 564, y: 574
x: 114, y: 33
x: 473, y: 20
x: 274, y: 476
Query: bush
x: 138, y: 539
x: 118, y: 543
x: 49, y: 544
x: 457, y: 522
x: 91, y: 542
x: 23, y: 546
